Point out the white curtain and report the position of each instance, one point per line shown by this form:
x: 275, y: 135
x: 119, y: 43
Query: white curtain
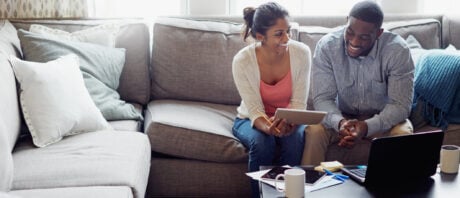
x: 43, y: 9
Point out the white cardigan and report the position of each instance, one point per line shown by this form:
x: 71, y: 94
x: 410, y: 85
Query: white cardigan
x: 246, y: 76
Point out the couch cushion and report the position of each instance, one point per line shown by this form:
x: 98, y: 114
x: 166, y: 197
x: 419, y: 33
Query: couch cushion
x: 76, y: 192
x: 427, y: 31
x: 102, y: 158
x: 9, y: 45
x: 195, y: 178
x: 450, y: 30
x: 133, y: 36
x: 193, y: 130
x: 310, y: 35
x: 126, y: 125
x: 192, y: 60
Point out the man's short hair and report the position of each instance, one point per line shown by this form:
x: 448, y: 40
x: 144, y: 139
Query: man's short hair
x: 368, y: 11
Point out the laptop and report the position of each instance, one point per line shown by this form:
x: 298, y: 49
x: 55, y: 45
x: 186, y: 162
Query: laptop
x: 405, y: 159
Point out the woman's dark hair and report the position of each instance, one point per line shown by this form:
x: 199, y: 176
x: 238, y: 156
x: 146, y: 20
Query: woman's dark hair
x: 258, y: 20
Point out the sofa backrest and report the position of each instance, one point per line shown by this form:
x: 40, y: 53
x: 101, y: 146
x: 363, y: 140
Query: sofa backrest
x: 9, y: 107
x: 425, y: 28
x: 451, y: 31
x: 192, y: 60
x: 133, y: 36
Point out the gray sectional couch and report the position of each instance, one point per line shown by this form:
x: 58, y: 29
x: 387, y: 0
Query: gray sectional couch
x: 179, y: 76
x: 94, y: 164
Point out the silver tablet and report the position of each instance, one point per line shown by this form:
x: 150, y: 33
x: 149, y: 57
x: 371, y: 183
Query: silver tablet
x: 298, y: 116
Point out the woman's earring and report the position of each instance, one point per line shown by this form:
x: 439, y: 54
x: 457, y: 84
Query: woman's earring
x: 262, y: 41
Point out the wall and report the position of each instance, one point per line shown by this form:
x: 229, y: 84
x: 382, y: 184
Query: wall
x: 43, y: 8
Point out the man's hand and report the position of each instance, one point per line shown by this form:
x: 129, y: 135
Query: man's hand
x: 350, y: 131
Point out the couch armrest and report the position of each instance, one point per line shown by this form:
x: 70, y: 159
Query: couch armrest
x: 6, y: 161
x: 451, y: 31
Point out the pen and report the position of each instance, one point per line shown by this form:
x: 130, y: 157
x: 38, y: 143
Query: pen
x: 267, y: 120
x: 339, y: 177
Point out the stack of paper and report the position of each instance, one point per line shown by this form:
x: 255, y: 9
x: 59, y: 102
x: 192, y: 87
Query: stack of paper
x: 323, y: 183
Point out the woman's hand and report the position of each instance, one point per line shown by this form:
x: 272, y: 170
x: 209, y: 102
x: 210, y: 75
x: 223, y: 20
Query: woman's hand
x: 272, y: 126
x: 284, y: 127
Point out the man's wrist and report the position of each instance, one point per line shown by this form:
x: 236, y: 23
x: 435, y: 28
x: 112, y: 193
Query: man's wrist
x: 340, y: 123
x: 364, y: 129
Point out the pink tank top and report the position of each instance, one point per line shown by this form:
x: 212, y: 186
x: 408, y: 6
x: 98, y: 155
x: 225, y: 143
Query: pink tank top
x: 277, y: 95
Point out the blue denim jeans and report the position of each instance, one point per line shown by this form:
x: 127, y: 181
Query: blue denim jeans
x: 262, y: 147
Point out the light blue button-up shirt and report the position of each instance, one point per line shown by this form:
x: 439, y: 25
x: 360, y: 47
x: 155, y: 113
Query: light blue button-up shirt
x: 377, y: 87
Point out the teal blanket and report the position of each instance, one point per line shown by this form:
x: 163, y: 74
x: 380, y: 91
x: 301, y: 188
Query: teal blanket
x: 437, y: 84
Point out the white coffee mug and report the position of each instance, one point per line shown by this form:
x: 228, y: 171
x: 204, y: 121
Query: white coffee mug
x: 294, y: 183
x: 450, y: 158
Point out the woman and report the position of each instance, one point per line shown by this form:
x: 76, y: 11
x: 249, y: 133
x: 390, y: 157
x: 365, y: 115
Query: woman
x: 271, y: 73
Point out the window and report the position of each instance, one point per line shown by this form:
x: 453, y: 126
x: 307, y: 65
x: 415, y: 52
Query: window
x: 151, y: 9
x: 135, y: 8
x: 299, y: 7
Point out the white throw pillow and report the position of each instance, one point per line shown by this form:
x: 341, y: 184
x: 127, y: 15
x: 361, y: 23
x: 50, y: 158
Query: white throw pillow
x: 54, y: 100
x: 105, y: 34
x: 451, y: 48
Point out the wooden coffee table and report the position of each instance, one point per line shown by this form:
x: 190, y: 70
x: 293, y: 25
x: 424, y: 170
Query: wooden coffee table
x: 440, y: 185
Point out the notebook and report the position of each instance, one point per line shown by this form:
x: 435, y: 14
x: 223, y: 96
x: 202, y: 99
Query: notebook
x: 406, y: 158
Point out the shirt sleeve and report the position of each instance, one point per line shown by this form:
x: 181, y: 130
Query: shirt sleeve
x: 301, y: 81
x: 324, y: 86
x: 248, y: 90
x: 400, y: 90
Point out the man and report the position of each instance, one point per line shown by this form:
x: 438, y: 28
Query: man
x: 363, y: 77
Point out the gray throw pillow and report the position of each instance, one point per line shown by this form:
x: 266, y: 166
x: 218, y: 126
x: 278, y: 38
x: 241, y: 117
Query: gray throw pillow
x: 101, y: 68
x: 415, y: 48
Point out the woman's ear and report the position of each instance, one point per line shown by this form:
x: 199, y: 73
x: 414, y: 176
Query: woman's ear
x: 260, y: 37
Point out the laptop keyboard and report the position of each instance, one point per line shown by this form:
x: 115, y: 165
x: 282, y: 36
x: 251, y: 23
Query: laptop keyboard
x: 361, y: 172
